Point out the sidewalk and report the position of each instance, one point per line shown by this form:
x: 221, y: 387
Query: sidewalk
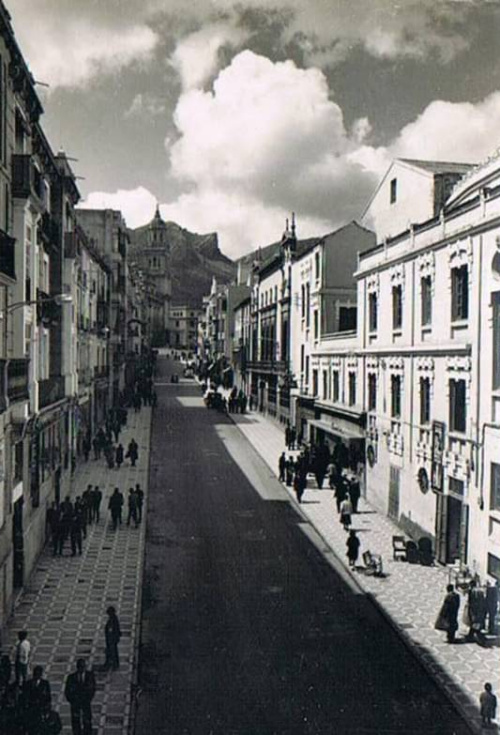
x: 410, y: 595
x: 64, y: 606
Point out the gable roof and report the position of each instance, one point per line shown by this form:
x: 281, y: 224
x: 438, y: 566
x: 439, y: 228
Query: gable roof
x: 439, y: 167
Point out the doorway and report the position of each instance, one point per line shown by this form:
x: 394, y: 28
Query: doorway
x: 451, y: 529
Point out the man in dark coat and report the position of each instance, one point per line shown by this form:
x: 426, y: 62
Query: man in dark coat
x: 140, y: 501
x: 112, y: 633
x: 96, y: 503
x: 132, y: 507
x: 449, y: 612
x: 133, y: 452
x: 79, y: 691
x: 282, y: 466
x: 37, y: 701
x: 115, y: 506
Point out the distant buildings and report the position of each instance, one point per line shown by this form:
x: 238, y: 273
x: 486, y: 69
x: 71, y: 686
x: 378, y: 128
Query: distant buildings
x: 387, y: 346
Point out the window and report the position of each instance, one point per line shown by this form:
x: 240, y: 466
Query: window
x: 372, y: 392
x: 456, y: 486
x: 352, y: 389
x: 457, y: 405
x: 372, y: 312
x: 316, y: 324
x: 396, y: 396
x: 302, y: 358
x: 308, y: 301
x: 397, y: 307
x: 336, y: 385
x: 494, y: 566
x: 426, y: 300
x: 347, y: 318
x: 303, y: 301
x: 325, y: 385
x: 316, y: 266
x: 394, y: 190
x: 307, y: 370
x: 315, y: 382
x: 425, y: 400
x: 460, y: 293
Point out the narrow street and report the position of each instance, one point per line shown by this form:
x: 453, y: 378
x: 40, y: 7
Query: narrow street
x: 245, y: 627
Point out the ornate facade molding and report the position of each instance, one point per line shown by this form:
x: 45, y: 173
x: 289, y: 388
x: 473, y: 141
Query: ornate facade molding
x: 427, y: 265
x: 425, y: 364
x: 459, y: 364
x: 396, y: 364
x: 373, y: 283
x: 460, y: 252
x: 372, y: 363
x: 397, y: 275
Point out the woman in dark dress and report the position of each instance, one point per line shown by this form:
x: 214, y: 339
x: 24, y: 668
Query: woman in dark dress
x: 112, y: 634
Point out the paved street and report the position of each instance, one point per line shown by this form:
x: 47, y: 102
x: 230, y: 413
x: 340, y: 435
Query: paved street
x: 248, y: 627
x: 411, y: 595
x: 63, y: 608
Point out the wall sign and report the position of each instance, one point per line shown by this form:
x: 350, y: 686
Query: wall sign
x: 437, y: 456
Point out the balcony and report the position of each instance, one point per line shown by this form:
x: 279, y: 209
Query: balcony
x: 7, y: 255
x: 18, y: 380
x: 26, y: 179
x: 50, y: 391
x: 48, y: 311
x: 276, y: 367
x: 101, y: 372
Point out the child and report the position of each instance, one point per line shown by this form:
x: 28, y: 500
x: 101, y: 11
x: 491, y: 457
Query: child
x: 488, y: 703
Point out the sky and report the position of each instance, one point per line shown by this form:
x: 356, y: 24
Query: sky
x: 231, y: 114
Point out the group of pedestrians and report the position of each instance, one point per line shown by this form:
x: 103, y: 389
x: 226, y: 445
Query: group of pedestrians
x: 135, y: 502
x: 68, y: 521
x: 26, y: 702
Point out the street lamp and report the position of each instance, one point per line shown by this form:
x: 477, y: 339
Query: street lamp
x: 60, y: 298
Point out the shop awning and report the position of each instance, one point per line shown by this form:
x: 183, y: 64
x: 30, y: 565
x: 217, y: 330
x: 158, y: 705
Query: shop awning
x: 340, y: 430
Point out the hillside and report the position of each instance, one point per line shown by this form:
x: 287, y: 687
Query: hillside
x: 194, y: 261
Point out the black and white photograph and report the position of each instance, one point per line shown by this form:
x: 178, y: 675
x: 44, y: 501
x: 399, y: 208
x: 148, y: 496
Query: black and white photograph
x: 249, y: 367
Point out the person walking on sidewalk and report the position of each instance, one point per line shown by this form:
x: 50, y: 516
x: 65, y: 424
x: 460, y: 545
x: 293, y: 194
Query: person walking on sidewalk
x: 79, y: 691
x: 282, y: 466
x: 475, y: 613
x: 133, y: 452
x: 140, y: 501
x: 37, y: 702
x: 96, y: 503
x: 448, y: 615
x: 115, y: 506
x: 80, y: 511
x: 293, y: 437
x: 76, y: 532
x: 119, y: 452
x: 346, y: 512
x: 52, y: 519
x: 112, y: 634
x: 132, y: 507
x: 354, y: 492
x: 488, y: 705
x: 22, y: 657
x: 353, y: 543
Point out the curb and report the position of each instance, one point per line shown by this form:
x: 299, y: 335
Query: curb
x: 473, y: 725
x: 134, y: 688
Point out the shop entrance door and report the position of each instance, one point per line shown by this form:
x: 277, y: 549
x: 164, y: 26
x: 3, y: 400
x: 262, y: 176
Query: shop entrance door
x: 18, y: 539
x: 451, y: 529
x: 394, y: 479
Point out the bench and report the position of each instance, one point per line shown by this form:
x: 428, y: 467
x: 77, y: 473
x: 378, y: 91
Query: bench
x: 373, y: 563
x: 398, y: 548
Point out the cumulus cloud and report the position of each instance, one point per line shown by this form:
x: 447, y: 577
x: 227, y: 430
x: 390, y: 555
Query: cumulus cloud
x: 70, y: 50
x: 196, y: 57
x: 137, y: 205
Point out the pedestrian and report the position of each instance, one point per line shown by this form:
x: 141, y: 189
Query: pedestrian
x: 76, y: 532
x: 475, y: 613
x: 492, y: 606
x: 116, y: 430
x: 86, y: 448
x: 133, y: 452
x: 340, y: 490
x: 287, y: 435
x: 319, y: 471
x: 87, y: 505
x: 293, y: 437
x: 115, y: 506
x: 52, y: 519
x: 110, y: 455
x: 97, y: 447
x: 132, y: 507
x: 488, y: 705
x: 79, y: 691
x: 140, y: 501
x: 331, y: 471
x: 112, y: 634
x: 22, y: 657
x: 289, y: 467
x: 97, y: 498
x: 37, y: 702
x: 353, y: 543
x: 354, y: 493
x: 282, y: 466
x: 448, y: 615
x: 346, y: 512
x: 119, y: 455
x: 82, y: 515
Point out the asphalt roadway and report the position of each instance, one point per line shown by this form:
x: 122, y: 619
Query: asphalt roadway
x: 246, y: 627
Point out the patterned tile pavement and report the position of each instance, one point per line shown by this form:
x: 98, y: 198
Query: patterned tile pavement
x: 409, y: 595
x: 64, y: 606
